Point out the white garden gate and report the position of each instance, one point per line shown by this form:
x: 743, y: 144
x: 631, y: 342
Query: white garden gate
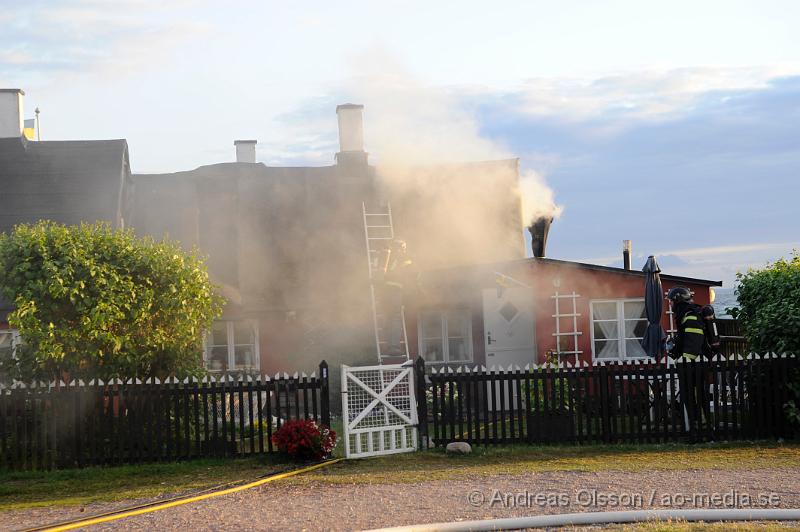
x: 379, y: 411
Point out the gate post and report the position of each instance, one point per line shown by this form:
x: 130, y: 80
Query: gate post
x: 324, y: 394
x: 422, y: 404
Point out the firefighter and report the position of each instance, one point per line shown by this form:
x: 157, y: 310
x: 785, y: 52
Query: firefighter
x: 689, y: 344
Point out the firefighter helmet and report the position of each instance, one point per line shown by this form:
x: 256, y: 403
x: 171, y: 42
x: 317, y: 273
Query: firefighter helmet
x: 678, y: 294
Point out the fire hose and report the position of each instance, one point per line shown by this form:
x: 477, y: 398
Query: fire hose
x: 601, y: 518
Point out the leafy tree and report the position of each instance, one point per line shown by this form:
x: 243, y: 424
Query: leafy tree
x: 769, y: 306
x: 91, y: 301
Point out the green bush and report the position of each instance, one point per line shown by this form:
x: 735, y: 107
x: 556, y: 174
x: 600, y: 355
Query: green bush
x: 94, y: 302
x: 769, y: 306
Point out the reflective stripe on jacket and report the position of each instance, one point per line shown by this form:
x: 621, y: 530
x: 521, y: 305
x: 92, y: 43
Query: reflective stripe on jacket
x: 692, y: 335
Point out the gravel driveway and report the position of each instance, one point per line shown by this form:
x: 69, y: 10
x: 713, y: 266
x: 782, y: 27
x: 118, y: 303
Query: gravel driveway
x: 321, y: 506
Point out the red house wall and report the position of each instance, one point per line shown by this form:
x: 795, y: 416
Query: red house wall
x: 590, y: 284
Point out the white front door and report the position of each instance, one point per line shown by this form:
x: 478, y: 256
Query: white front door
x: 509, y: 328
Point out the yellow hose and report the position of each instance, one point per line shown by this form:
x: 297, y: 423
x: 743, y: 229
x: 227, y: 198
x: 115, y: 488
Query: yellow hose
x: 122, y: 515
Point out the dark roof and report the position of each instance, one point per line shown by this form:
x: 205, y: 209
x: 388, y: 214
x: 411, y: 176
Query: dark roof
x: 64, y: 181
x: 638, y: 273
x: 473, y: 269
x: 262, y: 228
x: 292, y: 237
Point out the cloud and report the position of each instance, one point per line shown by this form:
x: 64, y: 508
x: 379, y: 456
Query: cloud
x: 717, y: 251
x: 643, y: 95
x: 42, y: 41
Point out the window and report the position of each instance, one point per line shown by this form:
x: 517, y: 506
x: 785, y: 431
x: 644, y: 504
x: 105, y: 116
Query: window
x: 445, y: 336
x: 232, y: 346
x: 9, y: 339
x: 617, y: 328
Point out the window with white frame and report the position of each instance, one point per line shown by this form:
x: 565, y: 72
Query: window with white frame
x: 9, y: 340
x: 445, y: 336
x: 232, y: 346
x: 618, y: 326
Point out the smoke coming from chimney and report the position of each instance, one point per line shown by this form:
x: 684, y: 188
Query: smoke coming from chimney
x: 417, y: 136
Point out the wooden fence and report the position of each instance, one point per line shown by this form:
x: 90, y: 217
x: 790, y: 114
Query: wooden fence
x: 732, y: 339
x: 76, y: 425
x: 634, y: 402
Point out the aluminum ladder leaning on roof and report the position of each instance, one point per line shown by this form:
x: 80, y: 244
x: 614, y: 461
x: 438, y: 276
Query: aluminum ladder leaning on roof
x: 378, y: 234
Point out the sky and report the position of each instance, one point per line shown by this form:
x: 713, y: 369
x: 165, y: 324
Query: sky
x: 675, y: 125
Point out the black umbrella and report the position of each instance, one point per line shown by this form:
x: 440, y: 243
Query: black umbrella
x: 653, y: 305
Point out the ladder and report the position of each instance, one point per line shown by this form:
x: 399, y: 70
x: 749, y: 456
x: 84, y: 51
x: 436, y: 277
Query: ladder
x: 378, y: 233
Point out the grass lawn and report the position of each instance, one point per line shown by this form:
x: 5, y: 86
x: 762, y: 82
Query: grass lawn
x: 20, y: 490
x: 30, y: 489
x: 435, y: 465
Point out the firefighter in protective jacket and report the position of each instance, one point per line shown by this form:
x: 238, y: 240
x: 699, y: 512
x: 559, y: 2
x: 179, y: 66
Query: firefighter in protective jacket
x: 690, y: 339
x: 697, y: 335
x: 693, y: 342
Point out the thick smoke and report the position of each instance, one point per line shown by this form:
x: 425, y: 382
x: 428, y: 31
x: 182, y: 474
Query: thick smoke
x: 410, y: 128
x: 287, y: 244
x: 538, y: 199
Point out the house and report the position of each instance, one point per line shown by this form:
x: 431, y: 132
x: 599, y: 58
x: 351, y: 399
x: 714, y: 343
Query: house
x: 514, y: 313
x: 287, y: 248
x: 65, y: 181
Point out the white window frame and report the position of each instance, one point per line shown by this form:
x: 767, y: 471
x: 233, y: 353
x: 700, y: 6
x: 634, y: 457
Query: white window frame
x: 445, y: 338
x: 231, y: 348
x: 620, y: 328
x: 15, y: 340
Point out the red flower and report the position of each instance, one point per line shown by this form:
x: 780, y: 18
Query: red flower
x: 303, y: 439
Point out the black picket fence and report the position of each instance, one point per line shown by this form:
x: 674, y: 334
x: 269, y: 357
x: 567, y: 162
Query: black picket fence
x: 634, y: 402
x: 77, y: 425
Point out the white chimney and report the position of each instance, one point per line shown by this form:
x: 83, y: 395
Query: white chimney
x: 351, y: 127
x: 11, y: 120
x: 245, y: 151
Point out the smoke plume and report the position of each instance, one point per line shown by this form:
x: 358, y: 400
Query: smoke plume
x: 420, y: 137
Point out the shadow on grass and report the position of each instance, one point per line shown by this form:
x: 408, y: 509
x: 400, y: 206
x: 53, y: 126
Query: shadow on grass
x: 24, y: 489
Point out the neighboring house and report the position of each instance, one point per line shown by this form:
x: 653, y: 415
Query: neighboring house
x: 65, y: 181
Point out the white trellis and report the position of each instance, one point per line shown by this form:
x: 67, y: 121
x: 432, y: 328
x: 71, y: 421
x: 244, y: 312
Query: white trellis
x: 574, y: 333
x: 379, y: 410
x: 671, y: 314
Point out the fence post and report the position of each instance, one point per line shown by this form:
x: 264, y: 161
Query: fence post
x: 605, y: 411
x: 422, y: 403
x: 324, y: 393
